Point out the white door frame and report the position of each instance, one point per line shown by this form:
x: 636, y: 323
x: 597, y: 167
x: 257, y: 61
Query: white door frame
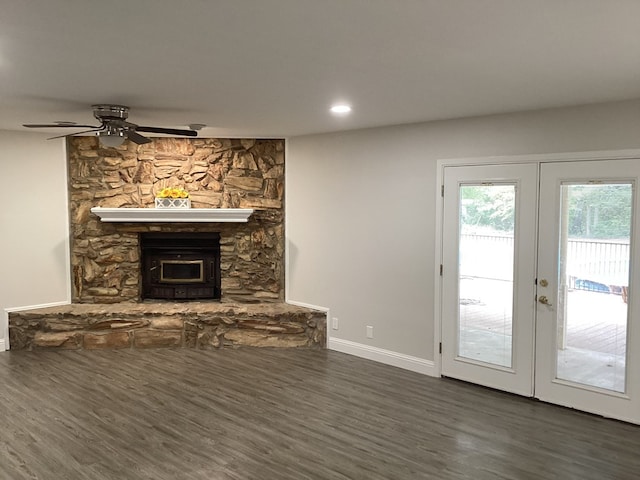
x: 535, y: 158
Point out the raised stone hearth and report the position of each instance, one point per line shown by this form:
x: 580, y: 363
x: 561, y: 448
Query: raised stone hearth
x: 203, y: 325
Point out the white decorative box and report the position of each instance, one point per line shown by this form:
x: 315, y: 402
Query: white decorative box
x: 173, y: 202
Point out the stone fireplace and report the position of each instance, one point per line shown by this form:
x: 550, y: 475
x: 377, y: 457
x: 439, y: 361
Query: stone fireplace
x: 235, y: 292
x: 217, y: 173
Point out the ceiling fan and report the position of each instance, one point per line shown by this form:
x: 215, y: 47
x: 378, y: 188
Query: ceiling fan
x: 114, y: 127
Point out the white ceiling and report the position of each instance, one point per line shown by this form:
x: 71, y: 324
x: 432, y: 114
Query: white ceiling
x: 264, y: 68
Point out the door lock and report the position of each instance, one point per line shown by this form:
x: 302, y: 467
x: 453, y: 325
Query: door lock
x: 543, y: 283
x: 544, y: 300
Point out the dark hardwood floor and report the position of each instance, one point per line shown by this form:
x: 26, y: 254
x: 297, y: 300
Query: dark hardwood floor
x: 283, y: 414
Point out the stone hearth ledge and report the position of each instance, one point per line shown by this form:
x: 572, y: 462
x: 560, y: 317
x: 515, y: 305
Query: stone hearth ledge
x: 193, y: 215
x: 203, y: 325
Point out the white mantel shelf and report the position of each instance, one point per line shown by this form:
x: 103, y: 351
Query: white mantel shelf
x: 172, y: 215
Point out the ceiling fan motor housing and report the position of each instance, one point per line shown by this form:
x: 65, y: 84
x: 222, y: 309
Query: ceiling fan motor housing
x: 110, y: 112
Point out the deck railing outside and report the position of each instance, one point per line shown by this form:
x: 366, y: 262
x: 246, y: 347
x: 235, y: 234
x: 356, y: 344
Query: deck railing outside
x: 591, y: 264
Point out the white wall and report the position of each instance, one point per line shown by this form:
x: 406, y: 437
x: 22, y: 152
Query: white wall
x: 360, y: 213
x: 34, y: 248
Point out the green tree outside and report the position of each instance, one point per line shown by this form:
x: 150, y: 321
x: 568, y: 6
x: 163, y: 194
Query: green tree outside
x: 598, y: 211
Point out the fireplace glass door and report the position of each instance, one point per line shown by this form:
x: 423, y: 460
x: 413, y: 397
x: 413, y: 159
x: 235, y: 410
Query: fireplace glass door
x: 181, y: 271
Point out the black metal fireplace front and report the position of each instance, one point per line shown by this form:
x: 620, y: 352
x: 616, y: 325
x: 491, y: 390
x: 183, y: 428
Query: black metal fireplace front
x: 180, y: 266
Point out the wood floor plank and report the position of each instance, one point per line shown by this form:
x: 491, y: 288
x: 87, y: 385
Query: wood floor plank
x: 283, y: 414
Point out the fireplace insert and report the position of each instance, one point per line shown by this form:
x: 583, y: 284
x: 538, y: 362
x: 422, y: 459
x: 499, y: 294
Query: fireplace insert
x: 180, y: 266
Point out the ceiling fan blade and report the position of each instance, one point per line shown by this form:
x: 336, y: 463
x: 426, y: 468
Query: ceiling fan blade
x: 94, y: 129
x: 170, y: 131
x: 57, y: 125
x: 136, y: 137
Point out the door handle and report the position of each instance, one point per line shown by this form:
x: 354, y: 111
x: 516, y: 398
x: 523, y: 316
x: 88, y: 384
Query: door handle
x: 544, y: 300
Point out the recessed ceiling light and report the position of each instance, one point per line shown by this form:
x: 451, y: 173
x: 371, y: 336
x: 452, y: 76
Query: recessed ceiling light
x: 340, y: 109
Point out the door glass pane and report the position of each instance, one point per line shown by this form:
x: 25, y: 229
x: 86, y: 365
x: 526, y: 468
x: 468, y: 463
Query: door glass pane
x: 485, y: 274
x: 593, y: 283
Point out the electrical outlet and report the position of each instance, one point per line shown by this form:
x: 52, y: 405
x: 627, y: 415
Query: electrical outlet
x: 334, y: 323
x: 369, y: 331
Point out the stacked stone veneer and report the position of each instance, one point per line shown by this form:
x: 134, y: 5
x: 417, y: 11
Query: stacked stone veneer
x: 203, y: 325
x: 225, y: 173
x: 107, y: 311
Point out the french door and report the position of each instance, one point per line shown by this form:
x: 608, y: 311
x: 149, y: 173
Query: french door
x: 537, y: 294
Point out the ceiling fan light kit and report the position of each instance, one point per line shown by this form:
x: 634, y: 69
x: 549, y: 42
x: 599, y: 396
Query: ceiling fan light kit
x: 114, y: 128
x: 111, y: 137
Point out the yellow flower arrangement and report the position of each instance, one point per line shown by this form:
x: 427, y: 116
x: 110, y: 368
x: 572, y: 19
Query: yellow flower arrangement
x: 173, y: 192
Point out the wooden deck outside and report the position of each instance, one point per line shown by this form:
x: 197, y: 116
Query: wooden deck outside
x: 595, y: 350
x: 596, y: 321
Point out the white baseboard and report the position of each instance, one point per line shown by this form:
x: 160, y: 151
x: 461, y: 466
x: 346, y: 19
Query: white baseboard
x: 395, y: 359
x: 4, y: 330
x: 307, y: 305
x: 34, y: 307
x: 4, y: 320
